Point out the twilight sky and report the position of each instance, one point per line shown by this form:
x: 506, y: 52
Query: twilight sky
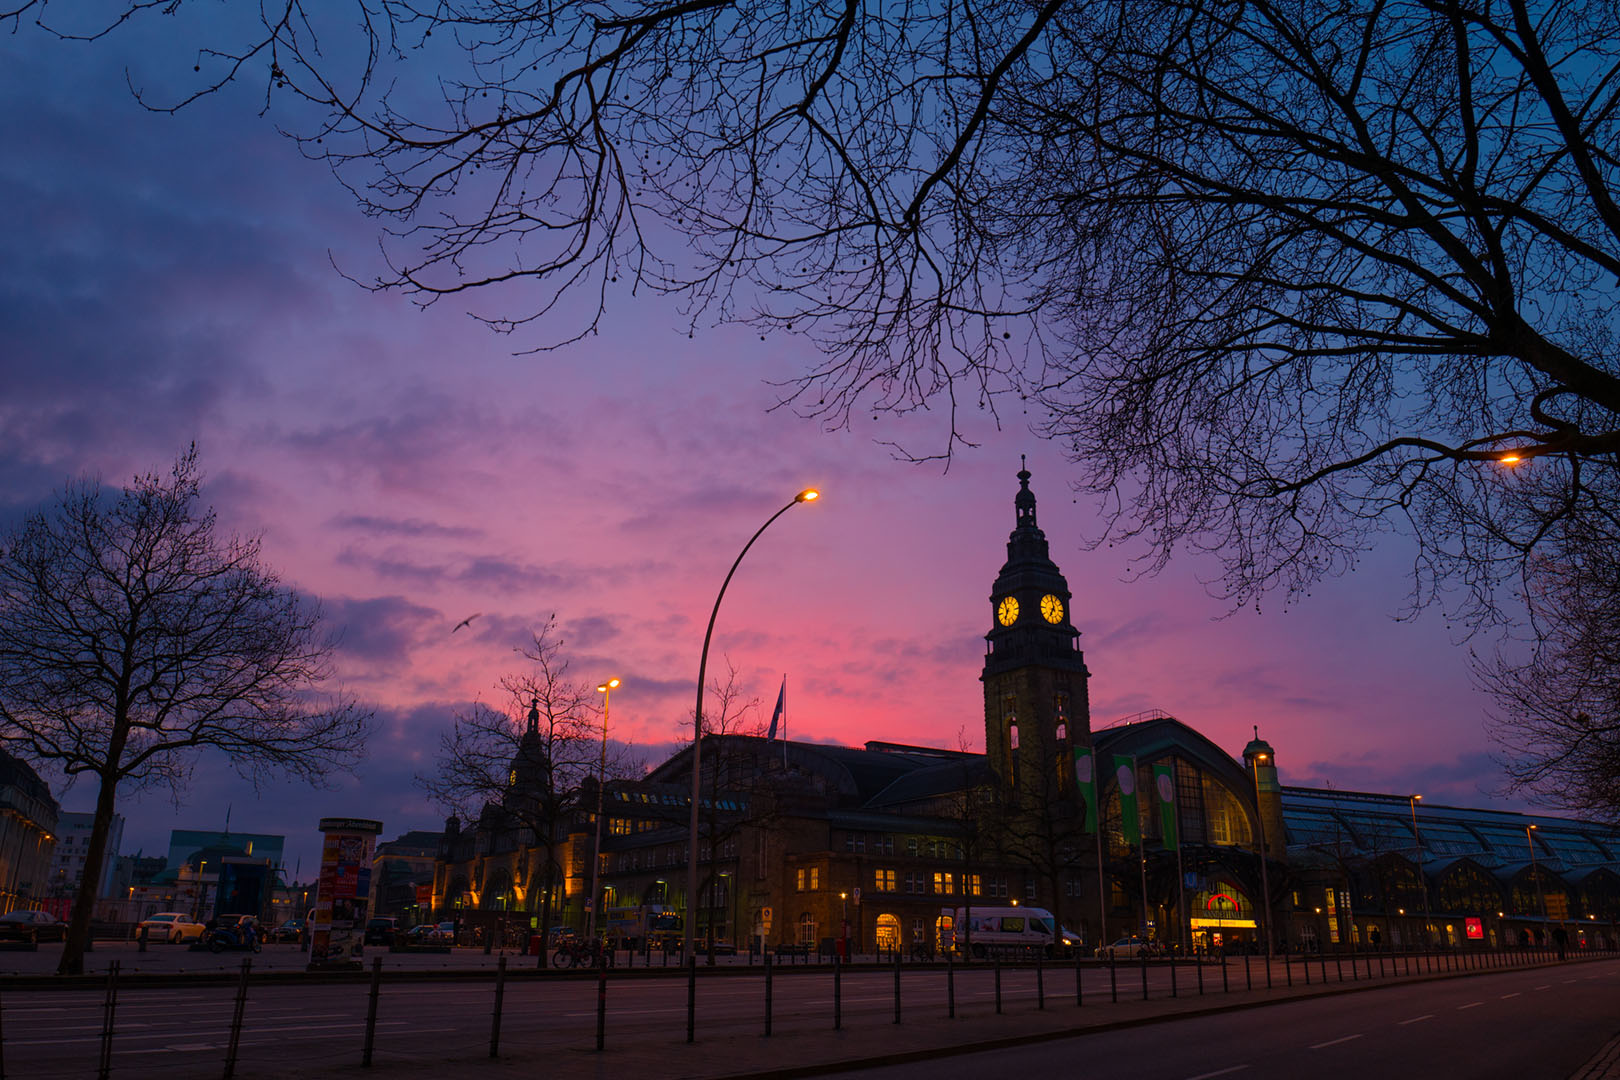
x: 170, y: 278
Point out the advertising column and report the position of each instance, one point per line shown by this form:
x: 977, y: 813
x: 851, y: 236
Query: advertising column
x: 337, y: 930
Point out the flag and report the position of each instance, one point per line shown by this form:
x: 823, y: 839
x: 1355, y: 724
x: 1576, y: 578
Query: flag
x: 781, y: 707
x: 1125, y: 774
x: 1085, y: 778
x: 1164, y: 786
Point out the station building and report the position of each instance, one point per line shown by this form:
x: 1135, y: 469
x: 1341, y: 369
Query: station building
x: 804, y: 843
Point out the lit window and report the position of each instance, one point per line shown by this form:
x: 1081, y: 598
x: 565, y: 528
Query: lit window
x: 944, y: 883
x: 883, y: 881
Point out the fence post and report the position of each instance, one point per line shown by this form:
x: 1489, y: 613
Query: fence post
x: 1113, y: 979
x: 691, y: 999
x: 768, y: 989
x: 601, y: 1008
x: 838, y: 993
x: 1248, y: 977
x: 897, y: 986
x: 1226, y: 987
x: 1079, y: 985
x: 950, y: 986
x: 109, y: 1009
x: 371, y: 1010
x: 236, y: 1022
x: 997, y: 965
x: 1040, y: 984
x: 1198, y: 966
x: 495, y: 1021
x: 1173, y: 975
x: 1288, y: 969
x: 1141, y: 956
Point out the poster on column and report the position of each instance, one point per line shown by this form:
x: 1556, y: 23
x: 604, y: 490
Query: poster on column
x: 337, y: 928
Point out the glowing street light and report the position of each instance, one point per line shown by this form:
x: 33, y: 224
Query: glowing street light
x: 1265, y: 882
x: 1417, y: 855
x: 606, y: 690
x: 689, y: 940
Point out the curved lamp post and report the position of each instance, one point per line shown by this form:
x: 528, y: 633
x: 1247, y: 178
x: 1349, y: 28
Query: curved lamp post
x: 689, y: 947
x: 1265, y: 882
x: 606, y: 690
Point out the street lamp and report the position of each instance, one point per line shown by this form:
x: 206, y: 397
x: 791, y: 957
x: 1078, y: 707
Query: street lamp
x: 1265, y: 878
x: 689, y: 940
x: 1541, y: 897
x: 1417, y: 852
x: 606, y: 690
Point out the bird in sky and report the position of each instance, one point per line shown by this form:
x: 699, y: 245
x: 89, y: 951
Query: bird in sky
x: 467, y: 620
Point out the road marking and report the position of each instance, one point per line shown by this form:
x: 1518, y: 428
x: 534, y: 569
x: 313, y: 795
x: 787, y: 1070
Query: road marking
x: 1547, y: 987
x: 1334, y: 1042
x: 1470, y: 1005
x: 1415, y: 1019
x: 1506, y: 996
x: 1218, y: 1072
x: 1569, y: 981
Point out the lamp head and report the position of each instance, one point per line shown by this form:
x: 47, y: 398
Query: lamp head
x: 611, y: 684
x: 1509, y: 459
x: 807, y: 495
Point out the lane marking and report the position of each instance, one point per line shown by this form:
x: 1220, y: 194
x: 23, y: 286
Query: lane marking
x: 1547, y: 987
x: 1470, y: 1005
x: 1334, y: 1042
x: 1416, y: 1019
x: 1218, y: 1072
x: 1569, y: 981
x: 1506, y: 996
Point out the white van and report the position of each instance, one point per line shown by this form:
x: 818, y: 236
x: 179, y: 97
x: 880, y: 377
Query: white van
x: 1008, y: 930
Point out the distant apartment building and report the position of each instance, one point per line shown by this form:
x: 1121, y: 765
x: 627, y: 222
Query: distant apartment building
x: 27, y: 834
x: 73, y: 848
x: 402, y: 874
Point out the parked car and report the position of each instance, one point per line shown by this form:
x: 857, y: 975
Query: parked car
x: 174, y: 927
x: 445, y: 933
x: 1128, y: 948
x: 32, y: 926
x: 291, y: 930
x: 381, y: 929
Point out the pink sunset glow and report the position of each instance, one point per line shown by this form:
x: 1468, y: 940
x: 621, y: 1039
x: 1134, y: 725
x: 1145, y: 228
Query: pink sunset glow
x: 169, y: 279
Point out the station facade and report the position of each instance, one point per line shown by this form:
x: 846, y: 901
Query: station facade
x: 1141, y: 827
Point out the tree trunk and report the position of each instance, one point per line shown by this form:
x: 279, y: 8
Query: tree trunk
x: 72, y: 962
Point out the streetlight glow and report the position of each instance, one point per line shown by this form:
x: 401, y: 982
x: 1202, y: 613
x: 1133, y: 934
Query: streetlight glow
x: 606, y: 690
x: 807, y: 495
x: 1509, y: 459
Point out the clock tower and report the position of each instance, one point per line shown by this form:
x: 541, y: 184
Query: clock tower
x: 1036, y: 707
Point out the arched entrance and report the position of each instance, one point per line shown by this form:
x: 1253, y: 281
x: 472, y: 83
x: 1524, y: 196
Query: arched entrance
x: 888, y: 933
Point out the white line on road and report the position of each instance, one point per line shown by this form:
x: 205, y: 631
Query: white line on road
x: 1334, y: 1042
x: 1567, y: 982
x: 1470, y: 1005
x: 1547, y: 987
x: 1506, y: 996
x: 1415, y: 1019
x: 1218, y: 1072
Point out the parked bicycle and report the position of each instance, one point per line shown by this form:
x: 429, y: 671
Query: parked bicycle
x: 587, y: 954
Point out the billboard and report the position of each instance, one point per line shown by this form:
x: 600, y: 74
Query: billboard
x: 337, y: 927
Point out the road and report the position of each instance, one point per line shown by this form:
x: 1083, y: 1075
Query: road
x: 312, y: 1028
x: 1522, y: 1025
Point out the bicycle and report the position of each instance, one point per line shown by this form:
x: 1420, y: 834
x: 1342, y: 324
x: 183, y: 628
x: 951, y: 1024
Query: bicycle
x: 587, y: 954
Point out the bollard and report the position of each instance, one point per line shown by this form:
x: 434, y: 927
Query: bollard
x: 1288, y: 969
x: 1338, y: 965
x: 1113, y: 980
x: 236, y: 1021
x: 1226, y: 987
x: 109, y: 1009
x: 897, y: 986
x: 950, y: 986
x: 997, y: 963
x: 371, y: 1010
x: 1198, y: 966
x: 1355, y: 972
x: 1268, y: 972
x: 1079, y: 986
x: 1173, y: 975
x: 691, y: 999
x: 141, y: 934
x: 495, y: 1020
x: 1248, y: 978
x: 1305, y: 966
x: 601, y: 1008
x: 768, y: 989
x: 1040, y: 984
x: 838, y: 993
x: 1141, y: 957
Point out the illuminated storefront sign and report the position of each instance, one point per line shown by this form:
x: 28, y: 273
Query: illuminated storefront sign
x: 1474, y: 928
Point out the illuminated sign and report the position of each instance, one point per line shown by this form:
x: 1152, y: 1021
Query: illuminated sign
x: 1474, y: 928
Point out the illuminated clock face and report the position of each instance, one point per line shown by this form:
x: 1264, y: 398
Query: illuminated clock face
x: 1007, y: 611
x: 1051, y: 609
